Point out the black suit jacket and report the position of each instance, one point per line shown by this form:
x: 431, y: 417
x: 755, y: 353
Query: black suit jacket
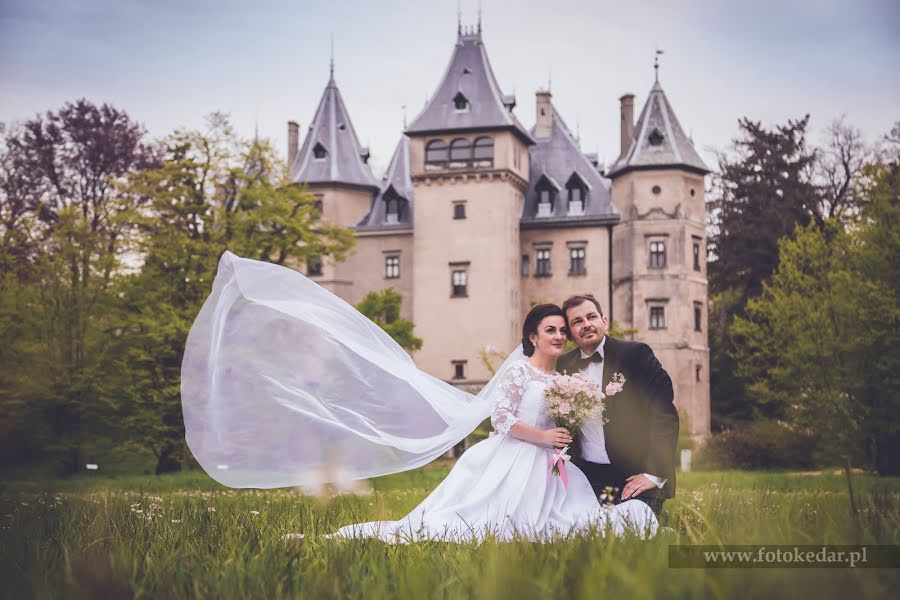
x: 642, y: 432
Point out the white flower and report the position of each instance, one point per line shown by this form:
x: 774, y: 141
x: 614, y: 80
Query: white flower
x: 254, y: 512
x: 210, y: 509
x: 176, y: 520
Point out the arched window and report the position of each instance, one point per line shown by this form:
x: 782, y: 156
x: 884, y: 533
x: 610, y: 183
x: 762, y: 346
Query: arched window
x: 483, y: 152
x: 460, y: 153
x: 319, y: 150
x: 461, y: 102
x: 577, y: 190
x: 656, y: 138
x: 436, y: 154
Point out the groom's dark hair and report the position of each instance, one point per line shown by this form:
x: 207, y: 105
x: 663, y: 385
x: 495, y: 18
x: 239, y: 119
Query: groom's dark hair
x: 572, y: 301
x: 534, y: 318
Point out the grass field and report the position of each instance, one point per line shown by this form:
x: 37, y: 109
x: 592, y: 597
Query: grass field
x: 183, y: 536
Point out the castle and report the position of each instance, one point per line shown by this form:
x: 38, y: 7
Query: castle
x: 478, y: 218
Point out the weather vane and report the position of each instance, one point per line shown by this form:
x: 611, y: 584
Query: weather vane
x: 656, y: 63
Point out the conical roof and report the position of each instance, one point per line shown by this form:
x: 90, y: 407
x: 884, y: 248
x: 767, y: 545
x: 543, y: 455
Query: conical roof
x: 468, y: 80
x: 659, y: 140
x: 331, y: 152
x: 396, y: 183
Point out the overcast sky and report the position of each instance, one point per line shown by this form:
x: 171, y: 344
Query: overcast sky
x: 168, y: 63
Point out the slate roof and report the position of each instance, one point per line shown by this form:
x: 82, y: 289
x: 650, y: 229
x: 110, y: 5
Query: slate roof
x: 659, y: 140
x: 556, y: 159
x: 396, y: 181
x: 469, y: 73
x: 343, y: 161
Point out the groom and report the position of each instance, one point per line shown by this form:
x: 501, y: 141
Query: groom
x: 634, y: 452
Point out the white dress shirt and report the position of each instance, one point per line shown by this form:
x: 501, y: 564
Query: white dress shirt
x: 593, y: 442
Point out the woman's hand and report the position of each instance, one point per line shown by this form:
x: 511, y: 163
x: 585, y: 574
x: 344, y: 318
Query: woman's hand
x: 558, y: 437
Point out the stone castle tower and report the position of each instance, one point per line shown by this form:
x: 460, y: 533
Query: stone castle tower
x: 659, y: 270
x: 477, y: 218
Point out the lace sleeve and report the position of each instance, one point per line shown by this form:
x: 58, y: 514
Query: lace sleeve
x: 509, y: 394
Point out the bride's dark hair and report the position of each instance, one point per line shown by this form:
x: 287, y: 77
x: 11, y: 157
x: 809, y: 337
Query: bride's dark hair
x: 534, y: 318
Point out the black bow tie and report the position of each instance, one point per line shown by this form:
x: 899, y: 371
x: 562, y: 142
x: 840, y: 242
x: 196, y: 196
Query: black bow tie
x: 582, y: 363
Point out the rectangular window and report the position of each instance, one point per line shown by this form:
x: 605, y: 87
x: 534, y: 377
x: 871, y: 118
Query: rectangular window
x: 576, y: 266
x: 696, y: 252
x: 459, y: 369
x: 657, y: 317
x: 460, y: 280
x: 657, y: 255
x: 698, y: 316
x: 459, y: 210
x: 698, y: 371
x: 542, y: 265
x: 314, y: 266
x: 391, y: 267
x: 525, y: 260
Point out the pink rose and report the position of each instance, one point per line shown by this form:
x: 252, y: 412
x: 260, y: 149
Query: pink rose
x: 613, y: 388
x: 565, y: 408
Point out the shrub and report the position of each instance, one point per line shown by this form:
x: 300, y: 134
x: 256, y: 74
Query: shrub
x: 757, y: 445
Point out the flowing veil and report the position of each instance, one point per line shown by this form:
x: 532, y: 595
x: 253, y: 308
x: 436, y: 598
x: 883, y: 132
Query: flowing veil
x: 285, y: 384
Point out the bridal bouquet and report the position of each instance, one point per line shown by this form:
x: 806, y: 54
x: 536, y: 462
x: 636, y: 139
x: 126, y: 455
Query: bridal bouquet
x: 571, y: 400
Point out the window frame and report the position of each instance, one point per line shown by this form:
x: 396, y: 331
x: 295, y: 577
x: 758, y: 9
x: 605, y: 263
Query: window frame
x: 656, y: 316
x: 574, y: 261
x: 459, y: 290
x: 654, y: 261
x: 392, y: 268
x: 696, y: 244
x: 433, y: 147
x: 698, y: 316
x: 459, y: 369
x: 459, y: 210
x: 543, y: 261
x: 485, y: 161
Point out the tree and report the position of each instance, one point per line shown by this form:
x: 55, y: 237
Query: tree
x: 763, y: 193
x: 821, y: 343
x: 383, y: 309
x: 64, y: 238
x: 212, y: 193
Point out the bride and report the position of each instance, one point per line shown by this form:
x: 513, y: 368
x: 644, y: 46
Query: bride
x: 285, y: 384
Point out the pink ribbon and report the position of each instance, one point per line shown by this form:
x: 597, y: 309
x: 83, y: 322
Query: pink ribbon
x: 558, y: 460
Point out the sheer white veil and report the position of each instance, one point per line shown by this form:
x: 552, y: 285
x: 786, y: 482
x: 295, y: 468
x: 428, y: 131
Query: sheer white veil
x: 285, y: 384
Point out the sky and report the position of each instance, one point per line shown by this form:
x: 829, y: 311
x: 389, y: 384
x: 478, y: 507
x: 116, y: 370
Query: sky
x: 169, y: 63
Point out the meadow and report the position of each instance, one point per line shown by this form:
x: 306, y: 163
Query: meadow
x: 183, y: 535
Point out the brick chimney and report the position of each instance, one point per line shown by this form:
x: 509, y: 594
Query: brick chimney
x: 626, y: 110
x: 293, y: 142
x: 544, y: 114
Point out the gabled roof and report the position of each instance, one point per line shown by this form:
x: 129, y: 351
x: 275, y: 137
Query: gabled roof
x: 332, y: 130
x: 397, y: 181
x: 469, y: 74
x: 556, y: 159
x: 659, y: 140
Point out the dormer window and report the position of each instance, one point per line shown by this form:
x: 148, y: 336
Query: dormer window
x: 319, y: 151
x: 394, y: 208
x: 577, y: 190
x: 461, y: 102
x: 545, y: 203
x: 656, y: 138
x: 546, y: 196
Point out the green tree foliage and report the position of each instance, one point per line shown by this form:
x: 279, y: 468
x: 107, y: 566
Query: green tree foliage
x: 820, y: 345
x: 383, y: 309
x: 64, y: 234
x: 765, y: 190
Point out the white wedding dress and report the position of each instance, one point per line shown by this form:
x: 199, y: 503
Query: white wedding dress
x: 285, y: 384
x: 502, y: 487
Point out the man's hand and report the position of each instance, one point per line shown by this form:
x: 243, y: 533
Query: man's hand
x: 636, y: 485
